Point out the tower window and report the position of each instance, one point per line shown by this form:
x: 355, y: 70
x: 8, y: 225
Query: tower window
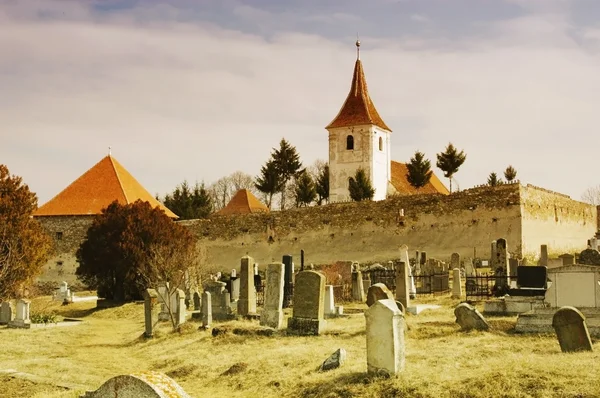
x: 59, y: 235
x: 381, y: 143
x: 350, y: 142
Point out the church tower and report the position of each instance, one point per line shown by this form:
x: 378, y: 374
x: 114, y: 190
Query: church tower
x: 358, y: 137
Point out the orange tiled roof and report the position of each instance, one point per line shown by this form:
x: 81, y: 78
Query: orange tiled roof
x: 98, y: 187
x: 400, y: 182
x: 243, y: 202
x: 358, y: 108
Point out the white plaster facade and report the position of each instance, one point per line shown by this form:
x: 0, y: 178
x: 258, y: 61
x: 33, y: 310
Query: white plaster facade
x: 371, y: 151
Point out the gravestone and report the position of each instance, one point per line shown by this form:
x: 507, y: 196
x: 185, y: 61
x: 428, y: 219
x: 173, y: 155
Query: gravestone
x: 150, y: 316
x: 468, y: 317
x: 469, y: 268
x: 180, y: 309
x: 288, y: 281
x: 532, y: 277
x: 513, y: 265
x: 272, y: 314
x: 336, y: 360
x: 402, y: 284
x: 247, y: 302
x: 206, y: 310
x: 385, y: 338
x: 493, y: 254
x: 502, y: 256
x: 197, y: 299
x: 6, y: 314
x: 567, y: 259
x: 589, y: 257
x: 220, y: 300
x: 456, y: 284
x: 455, y: 260
x: 21, y: 316
x: 543, y: 256
x: 378, y: 291
x: 412, y: 290
x: 329, y: 301
x: 358, y: 291
x: 308, y: 314
x: 146, y: 384
x: 571, y: 330
x: 163, y: 298
x: 235, y: 289
x: 423, y: 258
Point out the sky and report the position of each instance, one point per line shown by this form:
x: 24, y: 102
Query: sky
x: 198, y: 89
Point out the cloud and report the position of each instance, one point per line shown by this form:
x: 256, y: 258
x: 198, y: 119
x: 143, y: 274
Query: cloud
x: 179, y: 98
x: 419, y: 18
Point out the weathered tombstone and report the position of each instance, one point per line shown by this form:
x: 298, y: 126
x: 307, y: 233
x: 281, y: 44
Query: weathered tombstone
x: 336, y: 360
x: 502, y: 256
x: 329, y: 301
x: 272, y: 314
x: 402, y: 284
x: 288, y: 280
x: 235, y: 289
x: 455, y: 260
x: 493, y: 254
x: 571, y: 330
x: 589, y: 257
x: 6, y: 314
x: 468, y: 317
x: 532, y: 277
x: 220, y: 300
x: 385, y: 338
x: 180, y: 309
x: 163, y: 298
x: 308, y: 314
x: 378, y: 291
x: 366, y: 284
x: 567, y: 259
x: 401, y: 307
x: 469, y: 268
x: 197, y: 299
x: 22, y: 315
x: 150, y: 319
x: 543, y: 256
x: 513, y: 265
x: 206, y: 310
x: 423, y: 258
x: 358, y: 291
x: 233, y: 273
x: 456, y: 284
x: 412, y: 290
x: 146, y: 384
x: 247, y: 302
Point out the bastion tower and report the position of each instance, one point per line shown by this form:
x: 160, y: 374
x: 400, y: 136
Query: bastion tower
x: 358, y: 138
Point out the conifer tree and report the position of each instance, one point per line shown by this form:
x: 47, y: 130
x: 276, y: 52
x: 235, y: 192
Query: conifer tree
x: 269, y: 181
x: 360, y: 186
x: 419, y: 170
x: 510, y: 174
x: 493, y: 180
x: 322, y: 184
x: 287, y: 164
x: 305, y: 191
x: 449, y: 161
x: 189, y: 203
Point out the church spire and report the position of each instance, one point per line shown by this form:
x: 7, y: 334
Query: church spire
x: 358, y: 108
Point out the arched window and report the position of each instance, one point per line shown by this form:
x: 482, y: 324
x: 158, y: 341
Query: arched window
x: 349, y: 142
x: 381, y: 143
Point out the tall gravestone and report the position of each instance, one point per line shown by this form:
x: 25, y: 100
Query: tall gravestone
x: 402, y: 283
x: 247, y: 302
x: 197, y: 299
x: 329, y: 301
x: 288, y: 280
x: 220, y: 300
x: 358, y: 290
x: 308, y: 314
x: 378, y: 291
x: 412, y: 290
x: 469, y: 268
x: 543, y: 255
x: 571, y: 330
x: 163, y: 299
x: 567, y: 259
x: 455, y: 260
x: 6, y: 313
x: 206, y: 310
x: 423, y: 260
x: 385, y: 338
x: 22, y: 315
x: 272, y: 315
x: 456, y: 284
x: 493, y: 254
x: 180, y: 309
x: 150, y: 316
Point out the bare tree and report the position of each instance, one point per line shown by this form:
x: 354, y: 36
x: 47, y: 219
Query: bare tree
x: 592, y: 195
x: 224, y: 188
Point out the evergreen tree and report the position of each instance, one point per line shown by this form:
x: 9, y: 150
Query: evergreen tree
x: 493, y: 180
x: 287, y: 163
x: 305, y: 189
x: 449, y: 161
x: 269, y: 181
x: 419, y: 170
x: 322, y: 187
x: 189, y: 203
x: 510, y: 174
x: 360, y: 186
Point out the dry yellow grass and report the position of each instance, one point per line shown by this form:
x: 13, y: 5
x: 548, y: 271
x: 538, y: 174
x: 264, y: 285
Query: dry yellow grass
x: 441, y: 361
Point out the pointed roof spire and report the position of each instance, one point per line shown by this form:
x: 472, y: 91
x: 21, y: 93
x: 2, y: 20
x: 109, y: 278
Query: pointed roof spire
x: 358, y: 108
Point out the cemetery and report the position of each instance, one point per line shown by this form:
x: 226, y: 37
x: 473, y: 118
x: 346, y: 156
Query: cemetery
x: 417, y: 326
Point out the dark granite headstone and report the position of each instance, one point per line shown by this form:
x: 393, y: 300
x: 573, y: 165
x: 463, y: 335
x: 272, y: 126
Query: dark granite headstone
x: 589, y: 257
x: 532, y: 277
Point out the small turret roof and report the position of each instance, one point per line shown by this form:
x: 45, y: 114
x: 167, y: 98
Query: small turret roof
x: 243, y: 202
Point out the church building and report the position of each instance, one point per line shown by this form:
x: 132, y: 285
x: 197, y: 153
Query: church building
x: 359, y: 138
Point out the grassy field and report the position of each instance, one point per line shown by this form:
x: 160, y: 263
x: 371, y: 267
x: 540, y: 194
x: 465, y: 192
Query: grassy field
x: 441, y: 361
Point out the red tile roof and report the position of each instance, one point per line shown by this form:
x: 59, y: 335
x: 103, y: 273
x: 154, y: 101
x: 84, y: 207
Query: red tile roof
x: 403, y: 187
x: 358, y: 108
x: 243, y: 202
x: 98, y: 187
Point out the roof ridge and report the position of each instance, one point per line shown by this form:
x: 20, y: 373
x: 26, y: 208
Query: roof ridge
x: 112, y: 162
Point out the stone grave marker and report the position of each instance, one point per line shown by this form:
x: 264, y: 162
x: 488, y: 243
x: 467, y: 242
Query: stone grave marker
x: 22, y: 315
x: 532, y: 277
x: 272, y: 314
x: 197, y: 299
x: 567, y: 259
x: 308, y: 314
x: 493, y: 253
x: 455, y: 260
x: 180, y: 309
x: 220, y: 300
x: 402, y: 284
x: 247, y: 302
x: 468, y: 317
x: 571, y: 330
x: 163, y: 298
x: 358, y: 291
x: 206, y: 310
x: 378, y: 291
x: 589, y: 257
x: 140, y: 385
x: 150, y: 316
x: 469, y: 268
x: 336, y: 360
x: 287, y: 261
x: 543, y: 256
x: 329, y: 301
x: 412, y: 290
x: 456, y: 284
x: 235, y: 289
x: 385, y: 338
x: 6, y: 313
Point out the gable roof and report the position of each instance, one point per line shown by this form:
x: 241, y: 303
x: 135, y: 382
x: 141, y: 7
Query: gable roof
x: 243, y: 202
x: 403, y: 187
x: 358, y: 108
x: 98, y: 187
